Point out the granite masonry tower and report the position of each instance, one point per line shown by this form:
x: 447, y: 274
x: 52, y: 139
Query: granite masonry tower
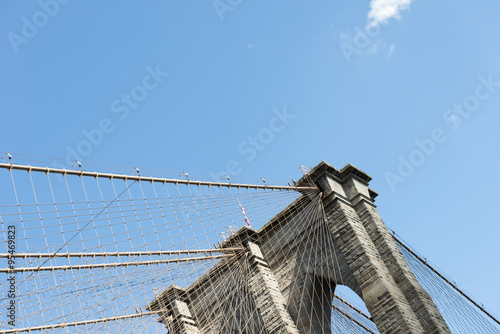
x: 284, y: 279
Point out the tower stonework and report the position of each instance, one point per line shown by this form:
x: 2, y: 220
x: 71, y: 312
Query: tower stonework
x: 287, y: 272
x: 382, y: 278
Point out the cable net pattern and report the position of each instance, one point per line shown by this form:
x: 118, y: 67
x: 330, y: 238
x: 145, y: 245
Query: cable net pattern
x: 84, y: 254
x: 460, y: 312
x: 93, y: 248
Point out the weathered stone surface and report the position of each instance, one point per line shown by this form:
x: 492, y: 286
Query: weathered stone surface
x: 285, y: 280
x: 177, y: 316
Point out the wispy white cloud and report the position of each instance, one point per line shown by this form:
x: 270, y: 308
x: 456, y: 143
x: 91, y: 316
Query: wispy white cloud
x: 391, y: 50
x: 383, y: 10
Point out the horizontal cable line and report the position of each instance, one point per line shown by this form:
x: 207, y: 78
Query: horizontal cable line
x: 353, y: 307
x: 123, y: 291
x: 158, y: 214
x: 139, y: 178
x: 77, y: 323
x: 119, y: 214
x: 352, y: 319
x: 119, y: 167
x: 227, y: 217
x: 105, y: 254
x: 113, y: 265
x: 444, y: 278
x: 171, y: 199
x: 123, y: 215
x: 115, y: 211
x: 137, y: 208
x: 109, y: 286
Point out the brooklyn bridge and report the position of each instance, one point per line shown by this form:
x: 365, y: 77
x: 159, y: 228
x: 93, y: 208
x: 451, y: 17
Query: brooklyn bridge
x: 111, y: 250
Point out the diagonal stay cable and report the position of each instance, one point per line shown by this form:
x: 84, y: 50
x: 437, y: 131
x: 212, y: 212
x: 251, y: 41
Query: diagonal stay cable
x: 76, y: 233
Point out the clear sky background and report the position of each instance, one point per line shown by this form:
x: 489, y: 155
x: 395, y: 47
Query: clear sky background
x: 408, y: 92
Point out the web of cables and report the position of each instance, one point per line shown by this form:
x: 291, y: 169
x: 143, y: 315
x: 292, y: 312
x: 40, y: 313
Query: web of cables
x: 95, y: 252
x: 92, y: 248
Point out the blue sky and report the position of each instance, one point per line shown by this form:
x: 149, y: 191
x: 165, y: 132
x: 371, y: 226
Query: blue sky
x: 408, y: 91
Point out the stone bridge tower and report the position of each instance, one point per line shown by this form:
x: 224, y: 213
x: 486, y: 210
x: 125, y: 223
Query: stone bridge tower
x: 284, y: 280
